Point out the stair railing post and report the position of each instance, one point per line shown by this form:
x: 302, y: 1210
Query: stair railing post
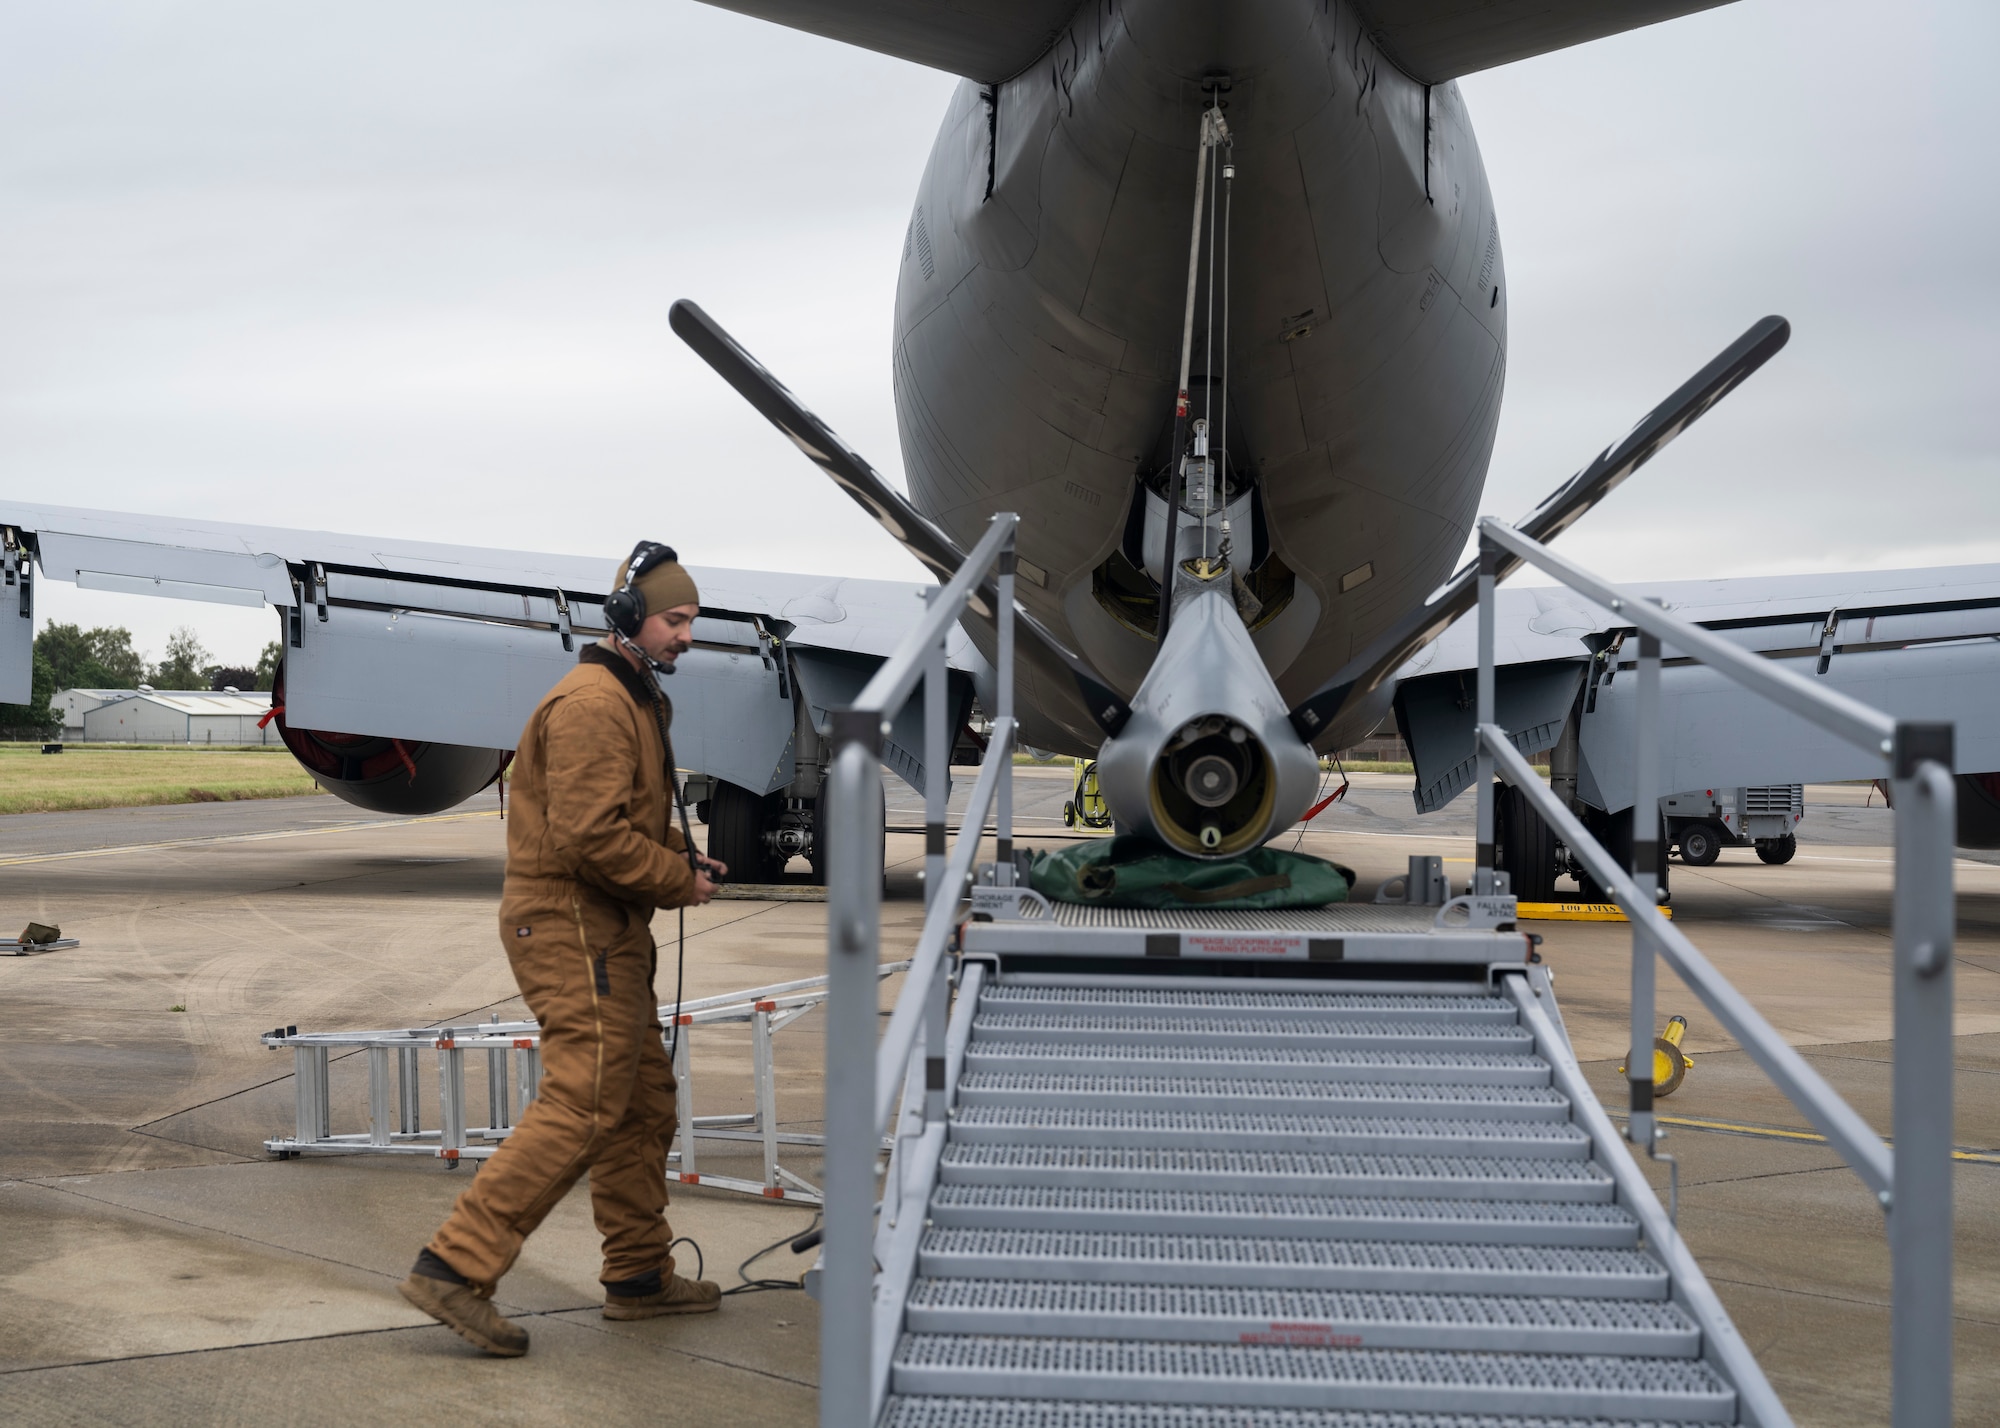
x: 1641, y: 1128
x: 1003, y: 796
x: 937, y: 790
x: 1920, y: 1203
x: 1483, y: 880
x: 854, y: 889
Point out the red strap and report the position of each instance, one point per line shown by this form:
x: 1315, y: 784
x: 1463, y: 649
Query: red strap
x: 269, y: 714
x: 1322, y: 805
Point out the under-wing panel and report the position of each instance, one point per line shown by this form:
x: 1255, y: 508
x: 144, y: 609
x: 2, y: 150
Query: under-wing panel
x: 986, y: 40
x: 412, y: 675
x: 732, y: 720
x: 1434, y: 715
x: 1716, y: 734
x: 830, y: 681
x: 1437, y: 40
x: 17, y: 631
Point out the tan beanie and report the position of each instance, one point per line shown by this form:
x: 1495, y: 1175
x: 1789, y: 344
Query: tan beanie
x: 663, y: 586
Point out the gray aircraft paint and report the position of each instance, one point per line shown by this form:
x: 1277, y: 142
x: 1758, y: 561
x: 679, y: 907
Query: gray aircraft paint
x: 1037, y: 329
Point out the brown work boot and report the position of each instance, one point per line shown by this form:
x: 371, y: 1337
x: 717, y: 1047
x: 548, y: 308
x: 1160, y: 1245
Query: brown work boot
x: 463, y: 1312
x: 676, y: 1296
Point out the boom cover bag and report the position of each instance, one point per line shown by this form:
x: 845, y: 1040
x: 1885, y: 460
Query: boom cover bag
x: 1131, y: 871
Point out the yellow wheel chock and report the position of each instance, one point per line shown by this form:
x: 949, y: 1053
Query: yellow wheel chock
x: 1670, y: 1063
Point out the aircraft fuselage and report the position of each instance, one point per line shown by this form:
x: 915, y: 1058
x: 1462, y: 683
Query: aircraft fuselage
x: 1040, y: 305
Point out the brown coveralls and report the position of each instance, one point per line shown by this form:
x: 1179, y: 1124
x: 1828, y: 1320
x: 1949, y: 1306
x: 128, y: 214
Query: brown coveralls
x: 591, y: 851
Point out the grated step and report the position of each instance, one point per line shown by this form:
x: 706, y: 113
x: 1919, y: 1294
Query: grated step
x: 1211, y: 1093
x: 1112, y: 1027
x: 1323, y: 1318
x: 1262, y: 1261
x: 1302, y: 1063
x: 1436, y: 1221
x: 1250, y: 1005
x: 1073, y: 1125
x: 1269, y: 1375
x: 1166, y: 1168
x: 918, y: 1411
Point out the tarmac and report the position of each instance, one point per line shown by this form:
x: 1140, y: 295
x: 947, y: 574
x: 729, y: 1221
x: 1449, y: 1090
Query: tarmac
x: 155, y: 1264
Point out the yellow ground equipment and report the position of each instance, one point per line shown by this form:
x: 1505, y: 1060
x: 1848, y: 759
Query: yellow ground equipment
x: 1575, y: 912
x: 1670, y: 1063
x: 1086, y: 806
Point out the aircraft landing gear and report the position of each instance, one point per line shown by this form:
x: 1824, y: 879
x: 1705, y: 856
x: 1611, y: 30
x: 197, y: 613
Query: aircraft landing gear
x: 736, y: 819
x: 1527, y: 846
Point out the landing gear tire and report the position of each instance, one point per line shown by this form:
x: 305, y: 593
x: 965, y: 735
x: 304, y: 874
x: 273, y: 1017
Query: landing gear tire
x: 1778, y: 850
x: 1527, y: 846
x: 822, y: 839
x: 1614, y: 831
x: 736, y: 834
x: 1701, y: 844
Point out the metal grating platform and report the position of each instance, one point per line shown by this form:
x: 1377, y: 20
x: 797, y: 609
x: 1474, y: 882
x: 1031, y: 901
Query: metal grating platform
x: 1219, y: 1206
x: 1286, y: 1376
x: 1291, y: 1062
x: 1209, y: 1093
x: 1340, y: 917
x: 1452, y: 1177
x: 1316, y: 1216
x: 1134, y: 1258
x: 1076, y: 1125
x: 1310, y: 1317
x: 1270, y: 1030
x: 927, y: 1412
x: 1030, y: 993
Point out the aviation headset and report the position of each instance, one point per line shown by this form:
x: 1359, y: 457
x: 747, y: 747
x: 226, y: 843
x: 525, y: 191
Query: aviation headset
x: 625, y: 608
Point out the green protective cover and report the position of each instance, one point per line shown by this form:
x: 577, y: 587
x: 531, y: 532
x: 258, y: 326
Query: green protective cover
x: 1137, y: 872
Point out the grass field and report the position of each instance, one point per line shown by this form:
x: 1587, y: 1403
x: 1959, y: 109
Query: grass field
x: 107, y: 776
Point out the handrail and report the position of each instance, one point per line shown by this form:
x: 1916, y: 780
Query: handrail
x: 1913, y: 1180
x: 865, y: 1080
x: 1808, y: 1090
x: 899, y: 1038
x: 897, y: 677
x: 1829, y: 708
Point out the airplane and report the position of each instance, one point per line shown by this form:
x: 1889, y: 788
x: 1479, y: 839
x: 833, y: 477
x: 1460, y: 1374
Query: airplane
x: 1212, y: 296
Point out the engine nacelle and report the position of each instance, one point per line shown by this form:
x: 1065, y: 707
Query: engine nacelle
x: 1208, y: 763
x: 397, y: 776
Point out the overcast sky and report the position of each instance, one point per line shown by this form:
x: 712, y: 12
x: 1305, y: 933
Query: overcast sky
x: 404, y: 269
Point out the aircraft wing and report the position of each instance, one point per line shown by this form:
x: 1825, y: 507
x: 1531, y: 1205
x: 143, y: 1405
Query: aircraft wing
x: 1914, y: 643
x: 1429, y: 40
x: 456, y: 644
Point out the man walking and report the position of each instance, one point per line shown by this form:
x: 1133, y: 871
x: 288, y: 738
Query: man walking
x: 591, y: 852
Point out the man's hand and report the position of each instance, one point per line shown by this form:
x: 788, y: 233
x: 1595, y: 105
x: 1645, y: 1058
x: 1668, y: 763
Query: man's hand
x: 708, y: 872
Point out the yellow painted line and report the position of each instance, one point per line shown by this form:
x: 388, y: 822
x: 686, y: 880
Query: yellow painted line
x: 242, y: 838
x: 1965, y: 1153
x: 1575, y: 912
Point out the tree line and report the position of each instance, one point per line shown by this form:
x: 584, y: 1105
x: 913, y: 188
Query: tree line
x: 70, y: 657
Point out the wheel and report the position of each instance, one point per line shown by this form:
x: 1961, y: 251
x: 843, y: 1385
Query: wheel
x: 736, y: 834
x: 820, y: 818
x: 1778, y: 850
x: 1614, y: 831
x: 1527, y: 846
x: 1069, y: 813
x: 1701, y: 844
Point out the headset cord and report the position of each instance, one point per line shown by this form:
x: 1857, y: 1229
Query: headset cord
x: 694, y: 867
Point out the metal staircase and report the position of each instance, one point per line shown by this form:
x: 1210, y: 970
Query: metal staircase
x: 1159, y: 1205
x: 1326, y: 1169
